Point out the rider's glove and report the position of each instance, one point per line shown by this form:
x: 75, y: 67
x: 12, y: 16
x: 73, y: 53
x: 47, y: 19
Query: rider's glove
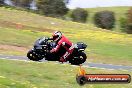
x: 50, y: 38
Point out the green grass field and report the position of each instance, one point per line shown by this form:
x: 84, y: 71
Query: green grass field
x: 120, y: 12
x: 19, y: 30
x: 21, y: 74
x: 103, y: 46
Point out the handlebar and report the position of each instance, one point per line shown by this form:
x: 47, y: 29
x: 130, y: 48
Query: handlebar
x: 50, y: 38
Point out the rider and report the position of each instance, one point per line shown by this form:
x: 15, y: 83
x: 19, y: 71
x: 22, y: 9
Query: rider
x: 62, y: 41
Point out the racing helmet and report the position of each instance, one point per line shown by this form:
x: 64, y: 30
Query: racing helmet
x: 57, y: 35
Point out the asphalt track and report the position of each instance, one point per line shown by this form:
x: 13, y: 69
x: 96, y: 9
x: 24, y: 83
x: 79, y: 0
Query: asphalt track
x: 92, y: 65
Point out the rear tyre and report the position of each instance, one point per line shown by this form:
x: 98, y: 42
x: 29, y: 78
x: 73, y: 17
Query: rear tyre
x: 33, y: 56
x: 77, y: 60
x: 82, y: 57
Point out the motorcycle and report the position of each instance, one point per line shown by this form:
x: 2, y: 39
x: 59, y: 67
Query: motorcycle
x: 43, y: 45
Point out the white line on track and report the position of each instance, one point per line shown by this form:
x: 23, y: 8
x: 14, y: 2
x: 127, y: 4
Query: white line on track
x: 89, y: 65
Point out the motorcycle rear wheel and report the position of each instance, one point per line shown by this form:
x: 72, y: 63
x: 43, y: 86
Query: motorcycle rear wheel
x: 77, y: 61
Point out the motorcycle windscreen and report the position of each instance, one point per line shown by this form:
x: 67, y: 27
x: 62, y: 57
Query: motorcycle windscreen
x: 40, y: 41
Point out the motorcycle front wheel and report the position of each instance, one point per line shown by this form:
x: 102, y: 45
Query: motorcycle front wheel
x: 32, y: 55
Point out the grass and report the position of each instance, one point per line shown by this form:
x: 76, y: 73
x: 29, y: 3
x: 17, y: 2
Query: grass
x: 21, y: 74
x: 103, y: 46
x: 120, y: 12
x: 115, y: 48
x: 18, y: 38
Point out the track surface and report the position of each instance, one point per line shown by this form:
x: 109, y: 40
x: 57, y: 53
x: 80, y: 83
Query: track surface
x: 93, y: 65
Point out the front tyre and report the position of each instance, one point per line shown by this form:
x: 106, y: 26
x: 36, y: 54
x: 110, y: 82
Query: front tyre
x: 77, y: 60
x: 32, y: 55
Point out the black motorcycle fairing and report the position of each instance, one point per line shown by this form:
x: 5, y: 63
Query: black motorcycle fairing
x: 81, y: 46
x: 41, y: 41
